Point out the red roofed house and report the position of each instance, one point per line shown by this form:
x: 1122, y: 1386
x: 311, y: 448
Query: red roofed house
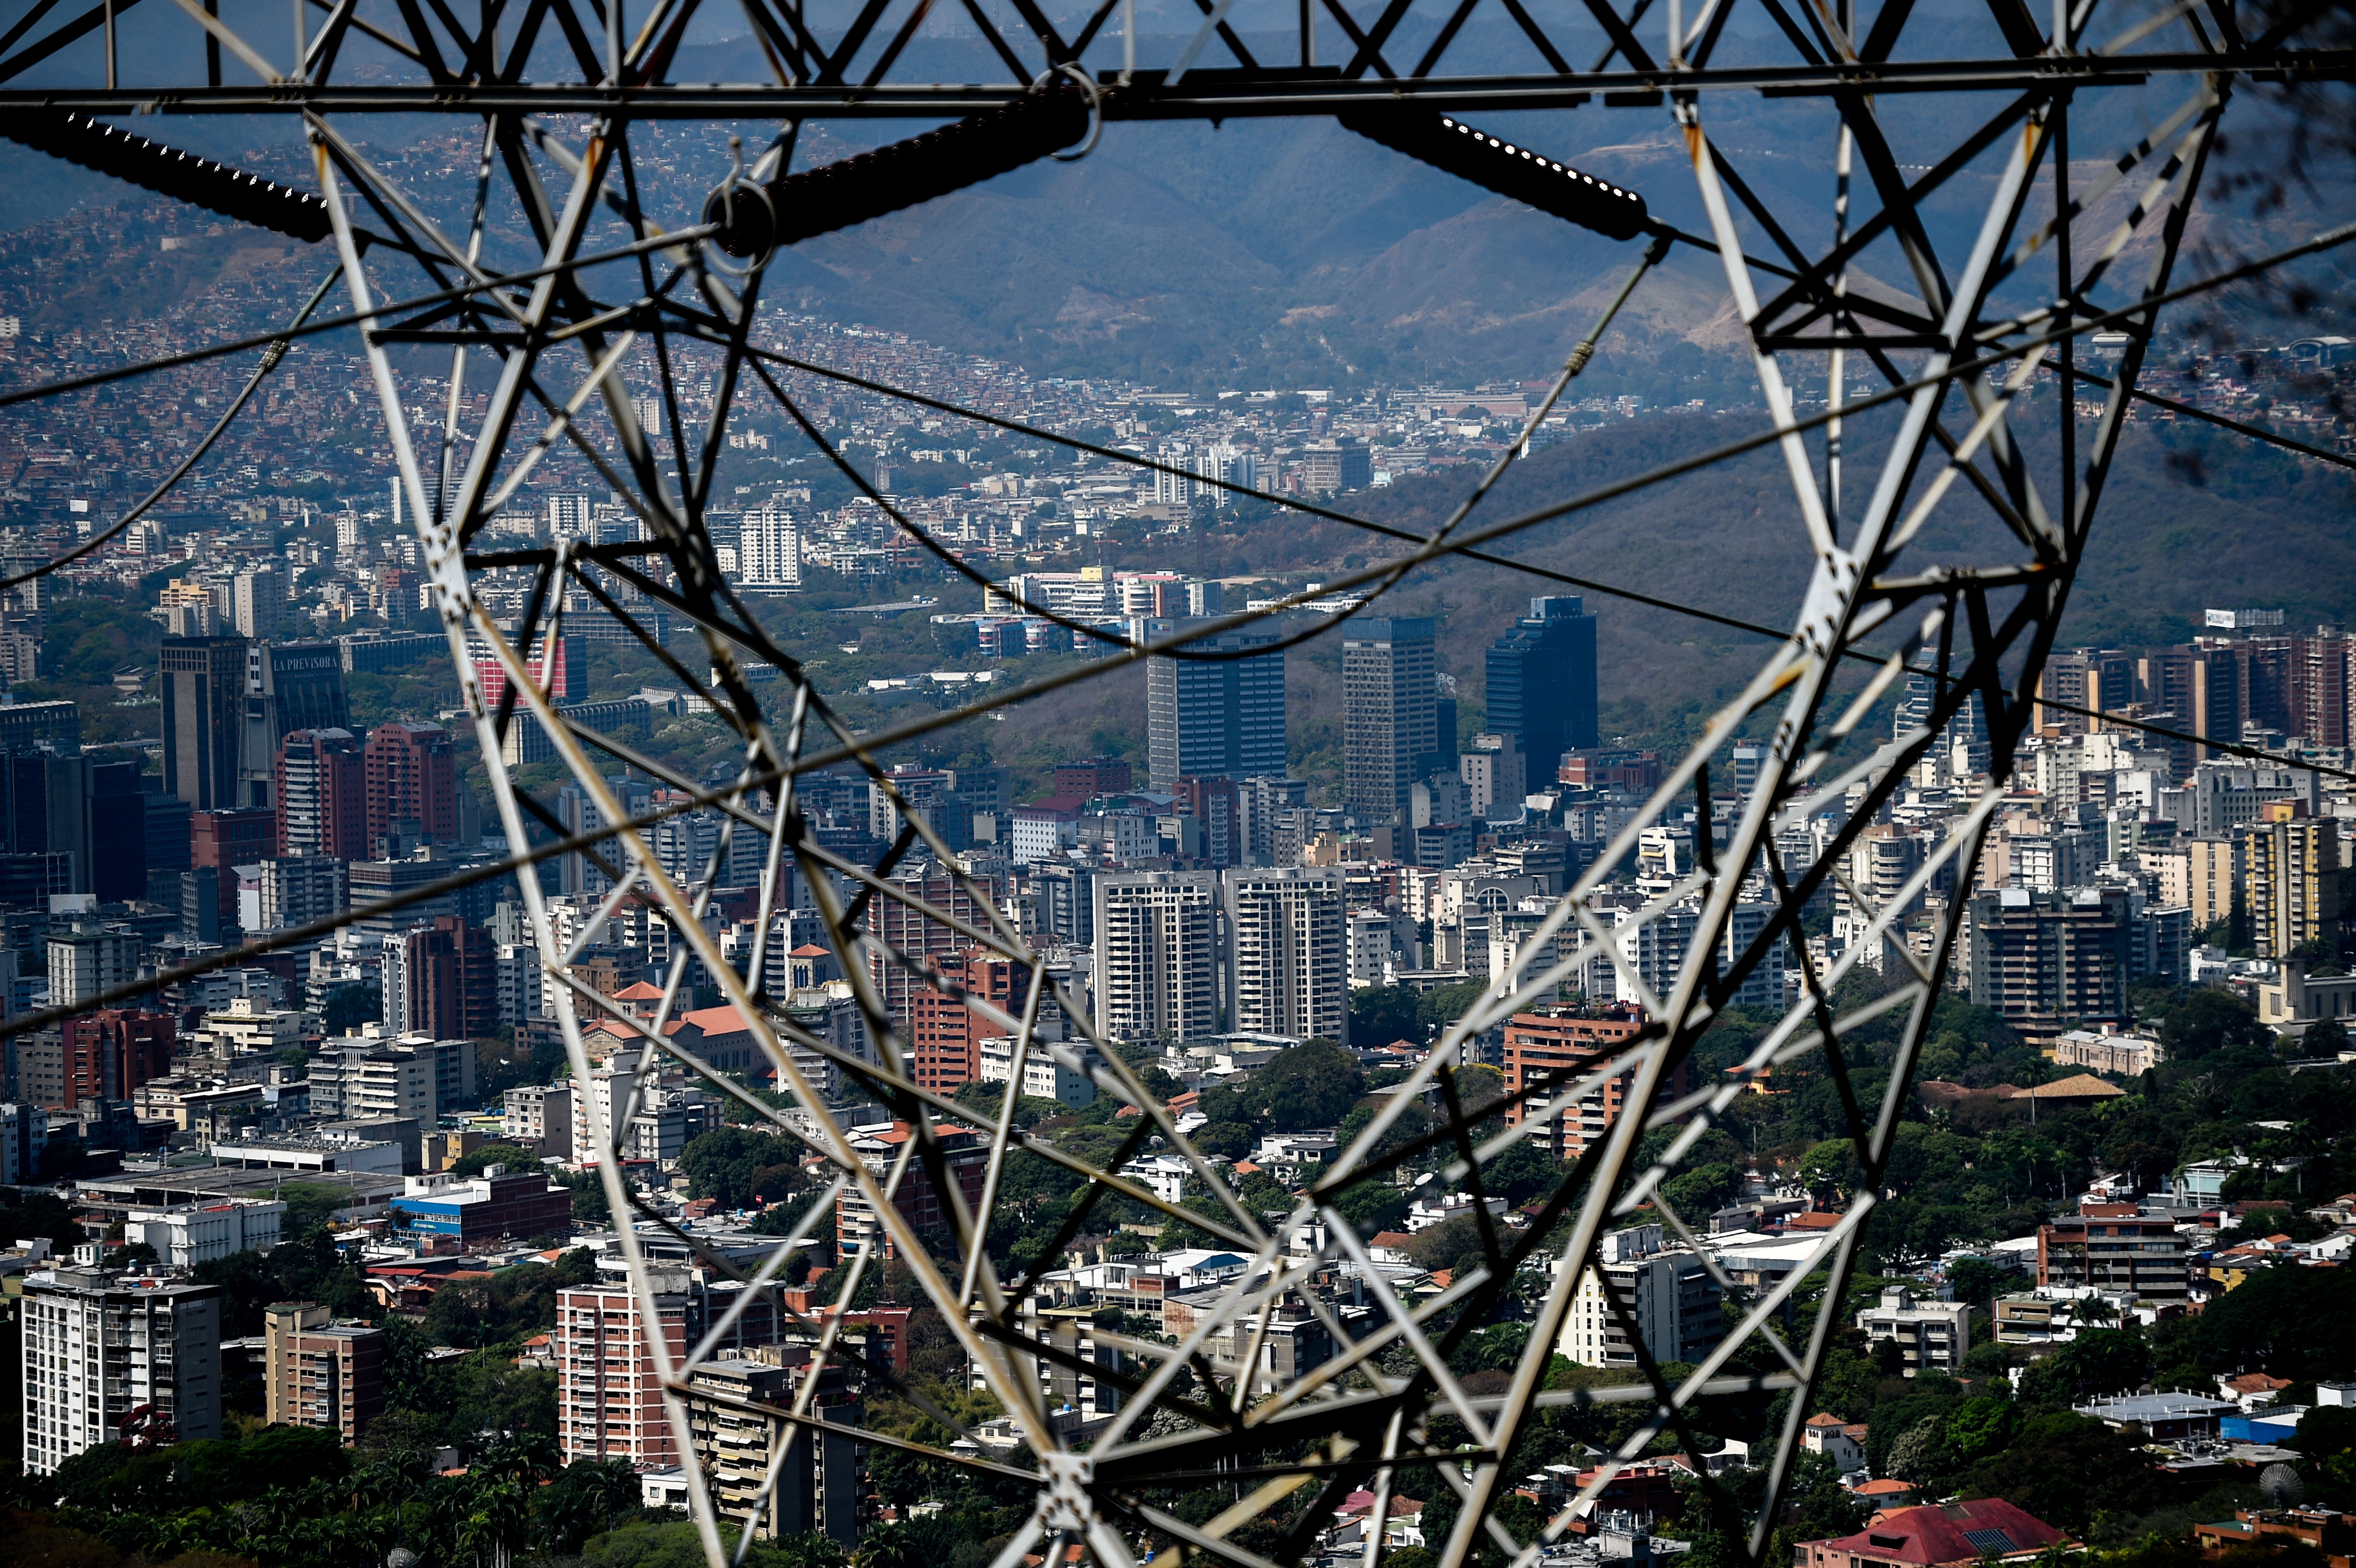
x: 1936, y: 1535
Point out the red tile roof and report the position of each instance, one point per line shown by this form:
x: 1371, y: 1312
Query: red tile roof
x: 722, y: 1020
x: 1940, y: 1533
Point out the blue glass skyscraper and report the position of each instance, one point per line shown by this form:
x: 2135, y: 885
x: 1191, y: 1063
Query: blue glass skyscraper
x: 1542, y: 683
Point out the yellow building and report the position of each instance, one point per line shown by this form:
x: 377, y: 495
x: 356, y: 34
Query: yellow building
x: 2290, y: 867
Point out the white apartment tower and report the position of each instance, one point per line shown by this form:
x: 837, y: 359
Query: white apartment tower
x: 1157, y: 969
x: 1173, y: 489
x: 1669, y: 1295
x: 1289, y: 969
x: 768, y: 549
x: 99, y: 1347
x: 568, y: 516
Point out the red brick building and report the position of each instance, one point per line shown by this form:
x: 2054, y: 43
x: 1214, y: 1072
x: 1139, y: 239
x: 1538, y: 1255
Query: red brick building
x: 895, y: 925
x: 1548, y: 1049
x: 228, y: 839
x: 412, y: 776
x: 1093, y: 776
x: 947, y: 1033
x: 452, y: 977
x: 563, y: 681
x: 108, y: 1055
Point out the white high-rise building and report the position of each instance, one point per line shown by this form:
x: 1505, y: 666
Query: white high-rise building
x: 1157, y: 960
x: 768, y: 549
x: 1288, y: 971
x: 1763, y: 986
x: 1668, y: 1293
x: 1370, y: 947
x: 569, y: 517
x: 99, y: 1346
x: 1232, y: 464
x: 1173, y: 489
x: 259, y: 602
x: 577, y: 873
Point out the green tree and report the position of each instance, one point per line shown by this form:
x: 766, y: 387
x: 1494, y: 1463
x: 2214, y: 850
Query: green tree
x: 2062, y: 1467
x: 1976, y: 1280
x: 2208, y: 1021
x: 1225, y: 1140
x: 1381, y: 1014
x: 1829, y: 1168
x: 1310, y: 1085
x: 1702, y: 1192
x: 515, y: 1156
x: 728, y: 1164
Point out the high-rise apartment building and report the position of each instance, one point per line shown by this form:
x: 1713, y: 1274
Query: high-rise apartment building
x: 88, y: 958
x: 2039, y: 958
x: 2319, y: 687
x: 258, y: 602
x: 817, y: 1486
x: 1389, y: 700
x: 320, y: 795
x: 1343, y: 463
x: 100, y: 1346
x: 298, y: 889
x: 1288, y: 960
x: 1550, y: 1050
x: 569, y: 516
x: 560, y: 675
x: 965, y: 1160
x: 608, y: 1401
x: 1496, y: 778
x: 412, y: 776
x: 768, y: 549
x: 1542, y: 677
x: 322, y: 1374
x: 1215, y: 718
x: 2212, y: 879
x: 895, y: 925
x: 943, y: 1030
x: 1261, y: 802
x: 1669, y: 1295
x: 2103, y: 679
x: 1216, y: 803
x: 110, y: 1055
x: 2290, y: 880
x: 1157, y: 958
x: 220, y: 842
x: 204, y: 720
x: 450, y: 973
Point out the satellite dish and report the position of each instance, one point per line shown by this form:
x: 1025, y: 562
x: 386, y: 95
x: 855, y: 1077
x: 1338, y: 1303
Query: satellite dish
x: 2282, y: 1486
